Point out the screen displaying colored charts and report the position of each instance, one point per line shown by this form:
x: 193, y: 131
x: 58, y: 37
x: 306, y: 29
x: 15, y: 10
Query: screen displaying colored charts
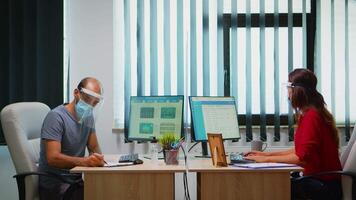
x: 153, y: 116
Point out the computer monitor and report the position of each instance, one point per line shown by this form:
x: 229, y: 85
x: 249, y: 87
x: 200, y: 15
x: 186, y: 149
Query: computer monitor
x: 213, y: 115
x: 152, y: 116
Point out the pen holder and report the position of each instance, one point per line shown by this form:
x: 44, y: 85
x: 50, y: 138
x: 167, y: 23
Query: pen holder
x: 171, y: 156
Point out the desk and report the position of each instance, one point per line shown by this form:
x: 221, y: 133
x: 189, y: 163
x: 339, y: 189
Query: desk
x: 241, y: 183
x: 144, y: 181
x: 149, y: 181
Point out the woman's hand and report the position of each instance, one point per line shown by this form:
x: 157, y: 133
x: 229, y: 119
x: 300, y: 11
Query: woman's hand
x: 257, y: 153
x: 256, y: 158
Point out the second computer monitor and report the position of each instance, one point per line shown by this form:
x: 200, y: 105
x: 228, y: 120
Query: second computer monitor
x: 214, y: 115
x: 153, y: 116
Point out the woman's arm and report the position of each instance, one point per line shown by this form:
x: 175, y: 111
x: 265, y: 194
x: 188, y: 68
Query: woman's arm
x: 290, y: 158
x: 282, y: 153
x: 273, y: 153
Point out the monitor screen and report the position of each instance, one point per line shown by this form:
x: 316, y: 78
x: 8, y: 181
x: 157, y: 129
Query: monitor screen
x: 153, y: 116
x: 214, y: 115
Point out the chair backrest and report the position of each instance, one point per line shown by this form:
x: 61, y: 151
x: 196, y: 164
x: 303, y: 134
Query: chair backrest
x: 349, y: 165
x: 346, y: 152
x: 22, y: 123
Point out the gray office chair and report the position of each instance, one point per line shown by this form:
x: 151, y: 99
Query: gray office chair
x: 346, y: 152
x: 348, y: 161
x: 21, y: 123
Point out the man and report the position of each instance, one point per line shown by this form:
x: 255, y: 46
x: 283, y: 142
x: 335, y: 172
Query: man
x: 67, y: 130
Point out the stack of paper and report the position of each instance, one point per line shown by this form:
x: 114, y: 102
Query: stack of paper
x: 117, y: 164
x: 264, y: 165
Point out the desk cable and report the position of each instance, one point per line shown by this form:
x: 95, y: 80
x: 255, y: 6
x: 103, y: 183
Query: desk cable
x: 185, y: 177
x: 192, y: 146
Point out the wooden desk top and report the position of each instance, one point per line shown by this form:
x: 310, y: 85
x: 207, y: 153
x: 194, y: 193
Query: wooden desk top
x: 206, y: 165
x: 194, y: 165
x: 147, y: 166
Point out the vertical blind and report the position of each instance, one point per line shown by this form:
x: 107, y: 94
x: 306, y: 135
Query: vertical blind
x: 178, y: 47
x: 336, y: 41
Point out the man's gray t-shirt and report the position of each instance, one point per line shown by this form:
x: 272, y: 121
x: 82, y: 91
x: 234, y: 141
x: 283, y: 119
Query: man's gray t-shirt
x: 61, y: 126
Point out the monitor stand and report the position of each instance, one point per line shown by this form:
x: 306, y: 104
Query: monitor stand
x: 204, y: 152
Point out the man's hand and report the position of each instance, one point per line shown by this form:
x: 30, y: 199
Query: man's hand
x: 94, y: 160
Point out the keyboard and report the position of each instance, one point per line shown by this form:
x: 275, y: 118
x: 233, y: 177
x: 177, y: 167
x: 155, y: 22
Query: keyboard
x: 239, y: 158
x: 128, y: 158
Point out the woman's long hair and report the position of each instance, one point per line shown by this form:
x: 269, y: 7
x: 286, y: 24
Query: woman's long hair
x: 304, y: 94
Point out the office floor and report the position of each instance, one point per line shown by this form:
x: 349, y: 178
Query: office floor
x: 8, y: 187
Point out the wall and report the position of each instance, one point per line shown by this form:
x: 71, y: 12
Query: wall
x: 90, y: 38
x: 8, y: 187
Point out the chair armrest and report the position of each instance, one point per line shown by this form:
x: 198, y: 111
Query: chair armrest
x: 347, y: 173
x: 20, y: 179
x: 60, y: 177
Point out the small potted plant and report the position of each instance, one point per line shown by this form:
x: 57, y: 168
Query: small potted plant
x: 170, y: 145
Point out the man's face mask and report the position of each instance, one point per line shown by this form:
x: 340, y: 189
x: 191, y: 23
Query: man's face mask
x: 83, y: 110
x: 88, y: 101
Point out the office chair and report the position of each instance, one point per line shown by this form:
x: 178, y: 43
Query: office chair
x: 346, y: 152
x: 348, y: 161
x: 21, y: 123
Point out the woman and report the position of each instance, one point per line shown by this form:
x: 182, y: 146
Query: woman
x: 316, y: 140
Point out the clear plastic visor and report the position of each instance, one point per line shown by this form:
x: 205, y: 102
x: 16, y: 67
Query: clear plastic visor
x: 90, y: 97
x: 90, y: 108
x: 287, y: 85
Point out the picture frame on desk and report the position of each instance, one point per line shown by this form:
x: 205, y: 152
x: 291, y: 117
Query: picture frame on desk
x: 217, y: 149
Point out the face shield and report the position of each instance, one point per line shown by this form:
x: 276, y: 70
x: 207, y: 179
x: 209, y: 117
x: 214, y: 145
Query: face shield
x: 286, y: 87
x: 88, y: 108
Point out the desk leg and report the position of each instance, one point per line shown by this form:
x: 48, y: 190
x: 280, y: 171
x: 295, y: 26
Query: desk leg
x: 243, y: 185
x: 134, y: 186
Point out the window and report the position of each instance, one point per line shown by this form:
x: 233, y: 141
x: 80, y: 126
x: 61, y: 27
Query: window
x: 230, y: 47
x: 261, y: 44
x: 334, y: 63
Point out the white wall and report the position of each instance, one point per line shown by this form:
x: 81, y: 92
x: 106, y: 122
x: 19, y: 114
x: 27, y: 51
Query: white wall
x: 90, y: 36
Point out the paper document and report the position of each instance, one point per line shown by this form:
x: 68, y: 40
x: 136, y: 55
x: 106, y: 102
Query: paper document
x: 117, y: 164
x: 263, y: 165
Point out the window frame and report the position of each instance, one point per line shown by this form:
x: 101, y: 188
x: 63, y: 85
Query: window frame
x: 269, y: 22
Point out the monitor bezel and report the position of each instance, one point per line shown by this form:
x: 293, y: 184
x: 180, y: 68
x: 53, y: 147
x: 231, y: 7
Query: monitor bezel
x: 127, y: 122
x: 192, y: 129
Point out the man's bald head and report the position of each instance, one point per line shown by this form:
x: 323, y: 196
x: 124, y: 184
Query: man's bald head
x: 90, y: 83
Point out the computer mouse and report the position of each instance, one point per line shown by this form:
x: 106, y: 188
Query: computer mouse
x: 137, y: 161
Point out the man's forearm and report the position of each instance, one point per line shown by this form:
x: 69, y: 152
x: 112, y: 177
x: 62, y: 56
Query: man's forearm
x: 93, y: 144
x: 95, y: 149
x: 60, y: 160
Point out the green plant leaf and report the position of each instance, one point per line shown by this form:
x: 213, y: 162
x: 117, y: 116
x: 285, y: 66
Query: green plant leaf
x: 167, y: 140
